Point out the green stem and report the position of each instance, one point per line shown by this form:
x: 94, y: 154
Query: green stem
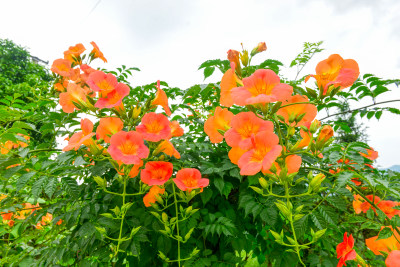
x: 177, y: 226
x: 287, y: 195
x: 122, y: 218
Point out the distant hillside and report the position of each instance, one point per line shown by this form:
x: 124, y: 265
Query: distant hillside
x: 395, y: 168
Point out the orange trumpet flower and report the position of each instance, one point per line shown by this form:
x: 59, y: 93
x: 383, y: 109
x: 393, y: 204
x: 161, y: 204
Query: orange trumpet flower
x: 189, y: 179
x: 263, y: 86
x: 244, y: 126
x: 97, y: 53
x: 156, y: 172
x: 151, y: 196
x: 345, y: 250
x: 81, y: 138
x: 108, y: 126
x: 264, y: 152
x: 291, y: 112
x: 220, y: 121
x: 74, y: 93
x: 161, y: 99
x: 154, y: 127
x: 128, y: 147
x: 335, y: 71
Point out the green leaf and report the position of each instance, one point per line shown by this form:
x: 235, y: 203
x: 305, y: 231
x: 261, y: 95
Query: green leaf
x: 385, y: 233
x: 219, y: 184
x: 70, y: 186
x: 23, y: 179
x: 208, y: 71
x: 344, y: 178
x: 51, y: 187
x: 37, y: 187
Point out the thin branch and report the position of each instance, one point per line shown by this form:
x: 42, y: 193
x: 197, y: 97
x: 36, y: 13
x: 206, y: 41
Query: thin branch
x: 352, y: 110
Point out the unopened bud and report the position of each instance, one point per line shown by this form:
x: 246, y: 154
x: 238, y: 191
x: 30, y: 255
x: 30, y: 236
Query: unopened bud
x: 136, y: 112
x: 263, y: 182
x: 315, y: 126
x: 244, y: 57
x: 259, y: 48
x: 315, y: 183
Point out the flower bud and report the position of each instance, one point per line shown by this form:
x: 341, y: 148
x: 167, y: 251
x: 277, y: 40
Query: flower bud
x: 263, y: 182
x: 316, y: 182
x: 259, y: 48
x: 244, y: 57
x: 315, y: 126
x: 325, y: 134
x: 233, y: 57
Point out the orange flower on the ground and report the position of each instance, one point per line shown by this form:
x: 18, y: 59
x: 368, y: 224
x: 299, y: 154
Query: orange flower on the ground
x: 371, y: 154
x: 325, y: 134
x: 220, y: 121
x: 45, y: 220
x: 189, y: 179
x: 97, y: 53
x: 176, y: 129
x: 128, y: 147
x: 161, y: 99
x: 383, y: 245
x: 244, y: 126
x: 74, y: 93
x: 168, y: 148
x: 387, y: 206
x: 151, y: 196
x: 134, y: 170
x: 156, y: 172
x: 228, y: 82
x: 62, y: 67
x: 335, y: 71
x: 265, y: 150
x: 292, y: 163
x: 81, y: 138
x: 154, y: 127
x: 345, y: 250
x: 108, y: 126
x: 293, y: 111
x: 393, y: 259
x: 235, y: 154
x: 74, y: 51
x: 263, y: 86
x: 361, y: 205
x: 7, y: 216
x: 59, y: 222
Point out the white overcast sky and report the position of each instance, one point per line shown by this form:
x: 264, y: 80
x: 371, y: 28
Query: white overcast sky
x: 168, y: 40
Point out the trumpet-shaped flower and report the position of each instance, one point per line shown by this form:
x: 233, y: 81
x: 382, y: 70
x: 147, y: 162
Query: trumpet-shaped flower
x: 265, y: 150
x: 97, y: 53
x: 62, y: 67
x: 235, y: 154
x: 74, y: 93
x: 325, y: 134
x: 154, y: 127
x: 345, y: 250
x: 244, y: 126
x: 360, y: 205
x: 189, y: 179
x: 335, y: 71
x: 292, y: 163
x: 168, y: 148
x: 387, y: 206
x: 74, y: 51
x: 161, y: 99
x: 134, y: 170
x: 263, y: 86
x: 371, y: 154
x: 393, y: 259
x: 156, y: 172
x: 176, y: 129
x: 81, y: 138
x: 151, y: 196
x: 220, y: 121
x: 228, y: 82
x: 293, y: 111
x: 107, y: 127
x: 101, y: 82
x: 383, y: 244
x: 128, y: 147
